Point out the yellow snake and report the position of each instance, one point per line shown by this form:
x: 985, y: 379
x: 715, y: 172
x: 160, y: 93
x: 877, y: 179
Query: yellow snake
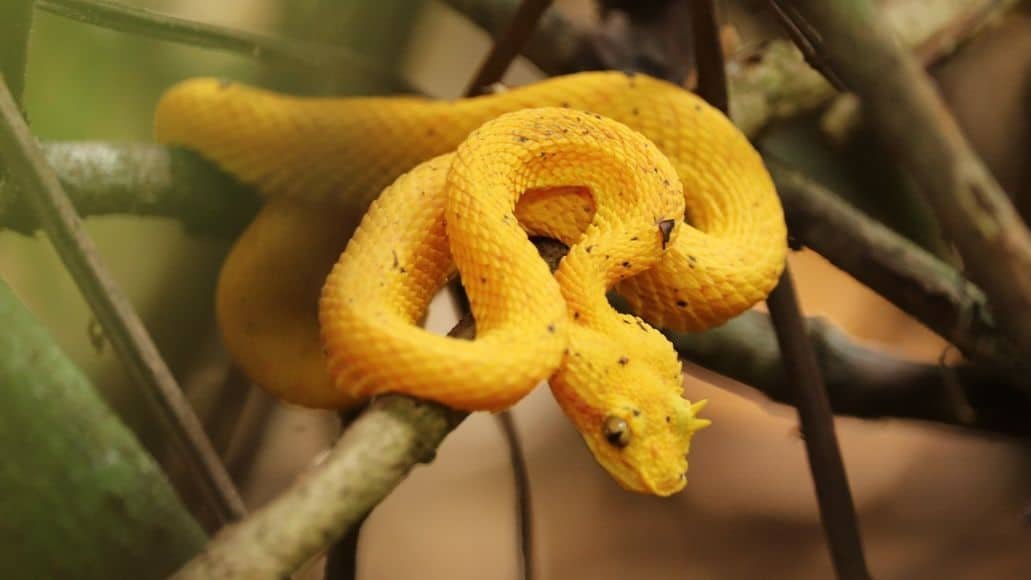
x: 690, y: 241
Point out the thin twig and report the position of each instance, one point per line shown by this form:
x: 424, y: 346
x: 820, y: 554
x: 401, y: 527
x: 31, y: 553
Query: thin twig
x: 41, y: 187
x: 814, y: 412
x: 507, y: 46
x: 154, y: 25
x: 504, y: 51
x: 837, y: 511
x: 708, y: 51
x: 342, y: 556
x: 804, y: 38
x: 523, y: 502
x: 911, y: 117
x: 556, y: 44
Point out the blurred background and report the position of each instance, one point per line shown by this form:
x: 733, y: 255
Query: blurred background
x: 933, y: 501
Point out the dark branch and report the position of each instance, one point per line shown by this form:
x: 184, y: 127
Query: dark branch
x: 908, y: 276
x: 507, y: 46
x: 556, y: 45
x: 712, y: 73
x: 862, y: 382
x: 837, y: 511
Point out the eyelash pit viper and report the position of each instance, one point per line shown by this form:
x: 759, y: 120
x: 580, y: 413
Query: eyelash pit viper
x: 657, y: 194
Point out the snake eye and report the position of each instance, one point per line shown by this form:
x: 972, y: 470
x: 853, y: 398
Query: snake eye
x: 616, y: 431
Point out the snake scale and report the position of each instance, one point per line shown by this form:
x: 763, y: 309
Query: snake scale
x: 657, y: 194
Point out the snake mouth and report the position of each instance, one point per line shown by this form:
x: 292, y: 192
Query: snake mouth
x: 663, y: 486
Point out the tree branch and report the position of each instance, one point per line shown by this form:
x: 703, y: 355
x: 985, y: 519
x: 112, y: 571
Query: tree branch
x: 860, y: 381
x: 904, y: 106
x: 371, y: 458
x: 837, y: 510
x: 42, y: 190
x: 509, y: 43
x: 907, y: 275
x: 139, y: 179
x: 81, y: 497
x: 556, y: 45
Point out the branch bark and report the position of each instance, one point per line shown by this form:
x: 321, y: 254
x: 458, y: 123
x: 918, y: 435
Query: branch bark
x: 139, y: 179
x: 904, y: 106
x: 81, y: 498
x: 366, y: 464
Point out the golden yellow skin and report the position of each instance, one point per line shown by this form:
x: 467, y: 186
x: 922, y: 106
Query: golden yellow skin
x: 321, y: 159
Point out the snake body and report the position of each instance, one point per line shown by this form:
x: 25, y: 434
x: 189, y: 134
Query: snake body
x: 690, y: 242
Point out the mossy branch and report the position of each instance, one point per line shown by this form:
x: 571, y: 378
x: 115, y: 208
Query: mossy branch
x: 81, y: 498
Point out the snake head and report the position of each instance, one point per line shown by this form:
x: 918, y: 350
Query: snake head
x: 629, y: 409
x: 645, y: 449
